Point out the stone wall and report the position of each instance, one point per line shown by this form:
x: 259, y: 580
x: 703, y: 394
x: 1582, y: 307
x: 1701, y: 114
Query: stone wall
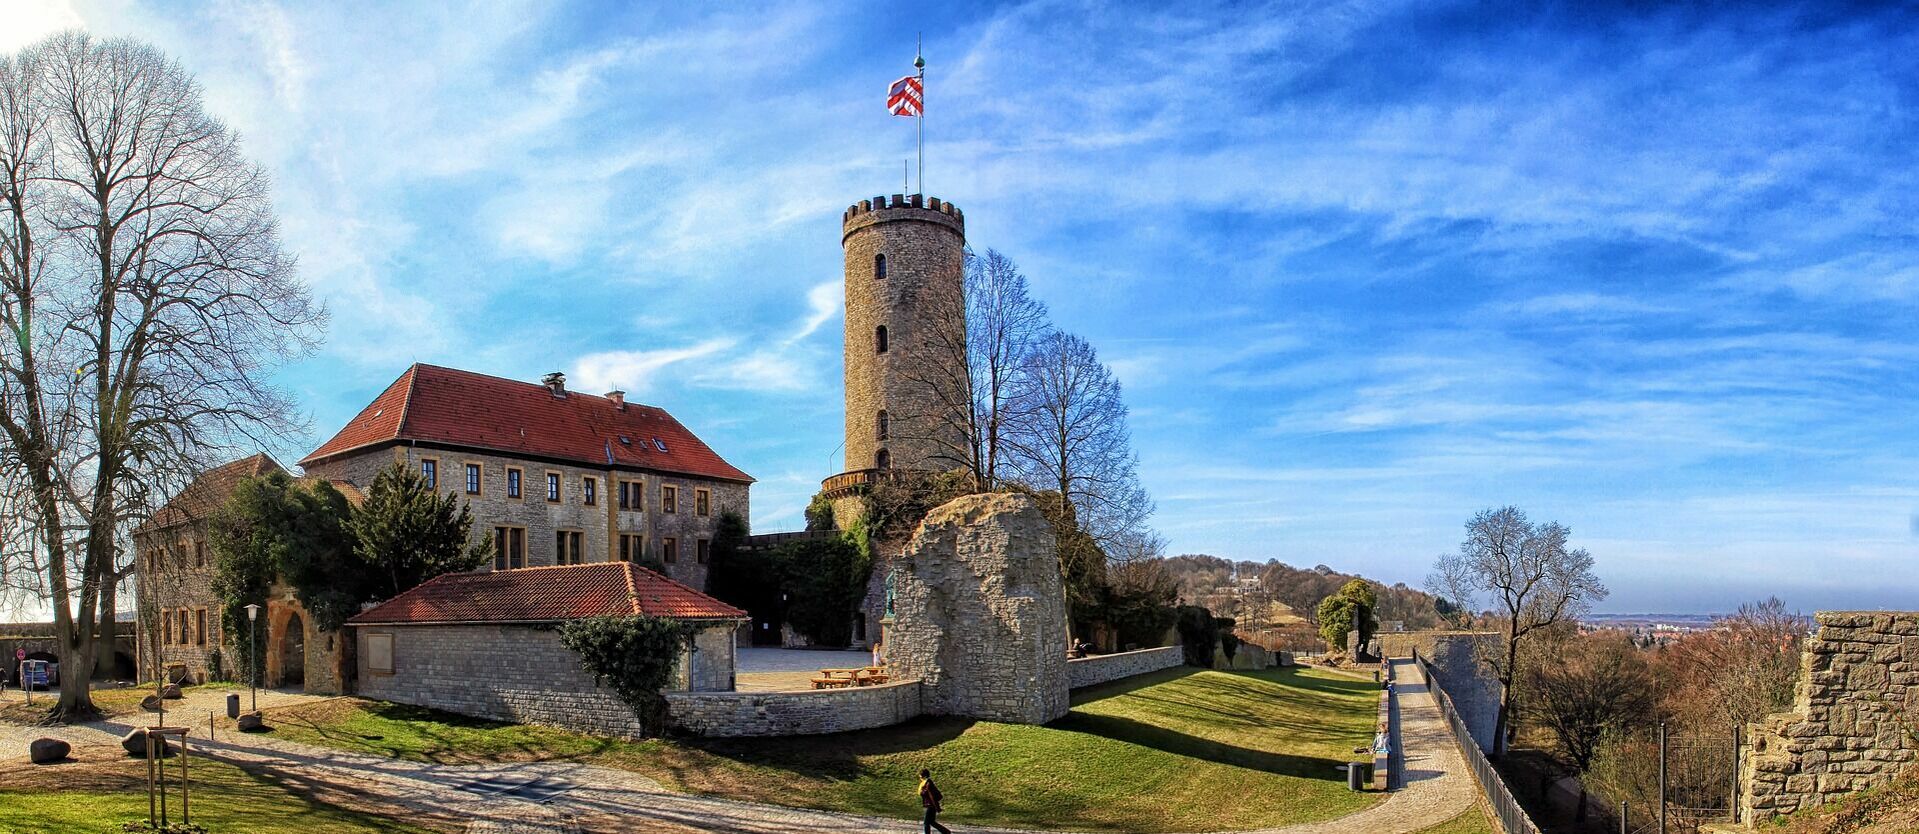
x: 1100, y: 668
x: 793, y: 713
x: 1456, y: 659
x: 979, y: 612
x: 511, y: 673
x: 920, y: 302
x: 1853, y: 720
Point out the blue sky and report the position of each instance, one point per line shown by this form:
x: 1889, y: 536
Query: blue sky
x: 1364, y: 269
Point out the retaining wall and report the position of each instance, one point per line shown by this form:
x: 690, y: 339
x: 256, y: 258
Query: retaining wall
x: 1100, y: 668
x: 792, y: 713
x: 1853, y: 718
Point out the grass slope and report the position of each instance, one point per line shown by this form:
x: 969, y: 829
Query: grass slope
x: 91, y: 797
x: 1178, y: 750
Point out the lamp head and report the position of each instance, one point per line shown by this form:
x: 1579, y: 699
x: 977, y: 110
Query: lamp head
x: 253, y: 611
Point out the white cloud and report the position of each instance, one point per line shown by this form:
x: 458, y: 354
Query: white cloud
x: 634, y: 371
x: 24, y: 22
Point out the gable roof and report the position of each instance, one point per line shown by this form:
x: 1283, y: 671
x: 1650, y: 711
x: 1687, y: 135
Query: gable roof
x: 207, y: 493
x: 431, y: 404
x: 547, y: 594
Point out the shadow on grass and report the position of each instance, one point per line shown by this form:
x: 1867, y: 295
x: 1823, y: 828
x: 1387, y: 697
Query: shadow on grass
x: 1130, y: 731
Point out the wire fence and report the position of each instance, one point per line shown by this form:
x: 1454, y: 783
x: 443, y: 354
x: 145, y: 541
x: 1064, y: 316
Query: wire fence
x: 1512, y: 818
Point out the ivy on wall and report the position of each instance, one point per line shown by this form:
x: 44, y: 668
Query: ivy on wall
x: 635, y: 656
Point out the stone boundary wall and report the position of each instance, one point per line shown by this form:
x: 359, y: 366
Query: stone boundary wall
x: 505, y: 673
x: 1854, y: 716
x: 1455, y: 658
x: 792, y: 713
x: 1100, y: 668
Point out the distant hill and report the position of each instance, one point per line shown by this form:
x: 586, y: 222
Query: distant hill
x: 1275, y: 593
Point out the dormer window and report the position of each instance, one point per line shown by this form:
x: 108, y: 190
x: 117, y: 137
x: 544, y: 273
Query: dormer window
x: 879, y: 339
x: 879, y: 267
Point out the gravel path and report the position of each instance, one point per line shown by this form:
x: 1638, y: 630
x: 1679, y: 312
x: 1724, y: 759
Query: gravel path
x: 570, y: 797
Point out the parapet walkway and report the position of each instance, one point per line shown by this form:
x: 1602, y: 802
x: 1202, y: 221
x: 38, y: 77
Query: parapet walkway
x: 1436, y: 788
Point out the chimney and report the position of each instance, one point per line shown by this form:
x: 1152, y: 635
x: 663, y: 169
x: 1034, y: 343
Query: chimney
x: 556, y: 383
x: 619, y: 399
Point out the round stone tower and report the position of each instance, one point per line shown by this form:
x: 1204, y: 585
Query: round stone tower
x: 905, y: 331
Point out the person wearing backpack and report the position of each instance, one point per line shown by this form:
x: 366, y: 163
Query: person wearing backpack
x: 930, y: 800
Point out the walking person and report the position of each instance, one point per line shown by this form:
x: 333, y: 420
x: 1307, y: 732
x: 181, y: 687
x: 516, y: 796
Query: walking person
x: 930, y: 800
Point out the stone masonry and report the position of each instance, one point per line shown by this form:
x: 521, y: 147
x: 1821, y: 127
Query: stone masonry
x: 1100, y: 668
x: 517, y: 673
x: 793, y: 713
x: 1457, y: 658
x: 921, y: 303
x: 980, y: 613
x: 1853, y: 721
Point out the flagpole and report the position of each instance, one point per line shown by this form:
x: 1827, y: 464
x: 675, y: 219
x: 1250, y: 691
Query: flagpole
x: 919, y: 137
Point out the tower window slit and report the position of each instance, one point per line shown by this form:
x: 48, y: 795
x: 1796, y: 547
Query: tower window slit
x: 879, y: 339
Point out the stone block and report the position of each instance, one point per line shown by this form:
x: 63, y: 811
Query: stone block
x: 48, y: 750
x: 135, y: 743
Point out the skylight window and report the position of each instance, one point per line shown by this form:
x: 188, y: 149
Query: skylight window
x: 659, y: 444
x: 625, y: 441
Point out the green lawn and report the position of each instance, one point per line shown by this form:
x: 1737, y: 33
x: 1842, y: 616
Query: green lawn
x: 1179, y: 750
x: 1473, y: 821
x: 92, y: 798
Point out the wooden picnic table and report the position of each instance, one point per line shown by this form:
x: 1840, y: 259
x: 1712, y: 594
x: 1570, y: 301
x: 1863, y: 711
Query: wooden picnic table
x: 862, y: 676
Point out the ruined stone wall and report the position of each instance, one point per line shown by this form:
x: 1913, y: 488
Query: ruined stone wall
x: 980, y: 613
x: 1853, y: 720
x: 1100, y: 668
x: 793, y: 713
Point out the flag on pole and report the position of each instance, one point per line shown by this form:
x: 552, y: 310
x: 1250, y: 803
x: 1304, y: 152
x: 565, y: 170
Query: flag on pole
x: 904, y: 98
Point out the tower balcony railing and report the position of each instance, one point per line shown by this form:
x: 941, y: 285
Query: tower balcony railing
x: 848, y: 483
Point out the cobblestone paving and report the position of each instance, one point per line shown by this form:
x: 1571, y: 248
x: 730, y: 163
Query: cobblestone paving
x: 1436, y: 786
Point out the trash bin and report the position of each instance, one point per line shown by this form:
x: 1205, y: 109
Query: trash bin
x: 1358, y: 774
x: 233, y: 705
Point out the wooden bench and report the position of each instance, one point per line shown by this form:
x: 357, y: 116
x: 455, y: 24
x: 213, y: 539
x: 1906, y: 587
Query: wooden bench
x: 836, y: 678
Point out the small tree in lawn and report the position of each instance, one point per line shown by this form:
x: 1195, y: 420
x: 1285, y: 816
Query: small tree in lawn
x: 1592, y: 688
x: 1336, y: 614
x: 1532, y: 577
x: 406, y: 534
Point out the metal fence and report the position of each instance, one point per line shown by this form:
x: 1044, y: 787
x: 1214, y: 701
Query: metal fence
x: 1512, y: 818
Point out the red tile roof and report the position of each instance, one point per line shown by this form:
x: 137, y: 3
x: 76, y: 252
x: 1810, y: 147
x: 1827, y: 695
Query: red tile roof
x: 207, y: 493
x: 430, y: 404
x: 547, y: 594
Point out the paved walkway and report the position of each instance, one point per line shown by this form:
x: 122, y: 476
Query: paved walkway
x: 589, y: 797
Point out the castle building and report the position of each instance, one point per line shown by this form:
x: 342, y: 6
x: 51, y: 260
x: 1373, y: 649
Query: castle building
x: 179, y: 631
x: 905, y: 339
x: 553, y: 477
x: 907, y: 395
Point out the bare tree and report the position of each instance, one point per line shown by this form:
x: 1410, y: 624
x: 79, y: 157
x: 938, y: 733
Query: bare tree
x: 1592, y: 688
x: 1071, y: 437
x: 147, y: 296
x: 976, y: 346
x: 1532, y: 578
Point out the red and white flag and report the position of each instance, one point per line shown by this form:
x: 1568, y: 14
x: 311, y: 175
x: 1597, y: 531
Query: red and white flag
x: 904, y: 98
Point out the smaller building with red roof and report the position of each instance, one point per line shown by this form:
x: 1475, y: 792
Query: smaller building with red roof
x: 488, y: 644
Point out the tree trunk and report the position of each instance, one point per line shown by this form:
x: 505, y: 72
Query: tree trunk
x: 108, y: 630
x: 1580, y: 815
x: 1506, y: 692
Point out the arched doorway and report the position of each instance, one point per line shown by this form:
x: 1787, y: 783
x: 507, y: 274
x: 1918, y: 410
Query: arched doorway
x: 293, y: 652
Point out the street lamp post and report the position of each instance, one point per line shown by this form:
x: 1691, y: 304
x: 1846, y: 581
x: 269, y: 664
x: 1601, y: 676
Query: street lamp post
x: 253, y: 655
